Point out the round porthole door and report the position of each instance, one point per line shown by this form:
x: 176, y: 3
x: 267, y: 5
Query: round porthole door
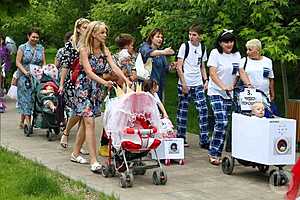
x: 282, y: 146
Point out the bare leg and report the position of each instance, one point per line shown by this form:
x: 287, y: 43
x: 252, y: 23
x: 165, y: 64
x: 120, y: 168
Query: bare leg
x: 72, y: 121
x: 90, y: 137
x: 80, y: 138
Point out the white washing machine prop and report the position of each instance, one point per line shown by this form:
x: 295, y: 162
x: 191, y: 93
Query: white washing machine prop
x: 268, y: 141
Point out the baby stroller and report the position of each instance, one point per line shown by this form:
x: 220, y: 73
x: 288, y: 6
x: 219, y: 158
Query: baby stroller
x: 132, y: 123
x: 260, y: 142
x: 44, y: 116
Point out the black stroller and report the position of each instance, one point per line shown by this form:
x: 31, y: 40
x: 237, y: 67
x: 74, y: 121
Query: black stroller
x: 43, y: 116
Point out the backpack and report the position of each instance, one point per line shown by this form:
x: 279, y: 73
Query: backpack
x: 187, y: 49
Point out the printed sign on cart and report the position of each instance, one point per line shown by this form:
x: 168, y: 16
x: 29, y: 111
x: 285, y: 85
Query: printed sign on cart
x: 248, y: 97
x: 170, y: 148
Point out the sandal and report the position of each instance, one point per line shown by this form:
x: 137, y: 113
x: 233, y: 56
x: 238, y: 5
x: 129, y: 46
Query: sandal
x: 84, y: 152
x: 214, y: 160
x: 64, y: 140
x: 96, y: 167
x: 78, y: 159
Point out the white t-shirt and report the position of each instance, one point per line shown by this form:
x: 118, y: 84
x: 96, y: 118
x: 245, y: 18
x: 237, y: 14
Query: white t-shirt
x: 156, y: 97
x: 191, y: 65
x: 227, y: 68
x: 259, y: 72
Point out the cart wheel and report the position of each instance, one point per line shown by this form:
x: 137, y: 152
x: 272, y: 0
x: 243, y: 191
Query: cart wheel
x: 227, y: 165
x: 263, y: 168
x: 159, y: 177
x: 278, y: 178
x: 167, y: 162
x: 181, y: 162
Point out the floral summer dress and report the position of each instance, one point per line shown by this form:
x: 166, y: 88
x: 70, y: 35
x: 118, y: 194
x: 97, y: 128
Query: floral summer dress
x: 24, y: 92
x: 67, y: 57
x: 88, y: 93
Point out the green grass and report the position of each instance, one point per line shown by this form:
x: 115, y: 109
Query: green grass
x: 171, y: 104
x: 21, y: 179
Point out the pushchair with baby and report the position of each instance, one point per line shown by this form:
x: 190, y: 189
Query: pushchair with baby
x: 46, y: 100
x: 260, y: 142
x: 132, y: 123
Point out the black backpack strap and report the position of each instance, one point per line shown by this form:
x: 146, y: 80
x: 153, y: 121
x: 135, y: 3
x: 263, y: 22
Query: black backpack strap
x: 202, y: 50
x: 187, y: 49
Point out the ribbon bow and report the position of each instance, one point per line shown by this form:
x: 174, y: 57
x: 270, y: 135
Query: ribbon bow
x: 226, y: 31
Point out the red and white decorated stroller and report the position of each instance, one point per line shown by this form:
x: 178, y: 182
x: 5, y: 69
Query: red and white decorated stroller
x: 132, y: 123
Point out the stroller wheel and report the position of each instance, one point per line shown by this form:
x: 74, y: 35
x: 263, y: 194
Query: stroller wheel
x: 181, y: 162
x: 108, y: 170
x: 167, y: 162
x: 49, y: 135
x: 227, y: 165
x: 159, y: 177
x: 263, y: 168
x: 56, y: 130
x: 278, y: 178
x: 27, y: 130
x: 126, y: 179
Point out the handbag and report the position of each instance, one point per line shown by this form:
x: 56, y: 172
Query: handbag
x: 12, y: 92
x: 143, y: 70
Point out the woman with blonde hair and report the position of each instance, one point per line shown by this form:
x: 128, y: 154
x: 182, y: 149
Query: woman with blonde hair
x: 259, y: 69
x: 69, y: 55
x: 95, y: 60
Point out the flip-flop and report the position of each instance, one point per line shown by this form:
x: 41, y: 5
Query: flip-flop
x: 214, y: 161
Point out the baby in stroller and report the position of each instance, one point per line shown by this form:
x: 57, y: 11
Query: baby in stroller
x: 136, y: 133
x: 48, y: 94
x: 45, y: 99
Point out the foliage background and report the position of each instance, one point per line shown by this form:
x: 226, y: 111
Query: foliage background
x: 274, y: 22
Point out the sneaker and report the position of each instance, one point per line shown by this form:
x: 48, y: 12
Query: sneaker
x: 96, y: 168
x: 78, y: 159
x: 186, y: 144
x: 103, y: 151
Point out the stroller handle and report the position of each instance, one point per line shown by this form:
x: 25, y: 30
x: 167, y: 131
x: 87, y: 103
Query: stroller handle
x: 140, y: 131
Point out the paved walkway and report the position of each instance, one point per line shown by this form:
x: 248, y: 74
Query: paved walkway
x: 196, y: 180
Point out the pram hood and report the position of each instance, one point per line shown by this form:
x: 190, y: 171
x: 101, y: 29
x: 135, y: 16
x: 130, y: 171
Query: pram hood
x: 120, y: 111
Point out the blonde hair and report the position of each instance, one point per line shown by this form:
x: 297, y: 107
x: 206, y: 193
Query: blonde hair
x: 87, y: 39
x: 76, y: 35
x: 254, y: 43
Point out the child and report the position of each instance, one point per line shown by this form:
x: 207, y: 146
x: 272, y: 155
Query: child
x: 258, y: 109
x: 125, y: 62
x: 152, y: 87
x: 48, y: 94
